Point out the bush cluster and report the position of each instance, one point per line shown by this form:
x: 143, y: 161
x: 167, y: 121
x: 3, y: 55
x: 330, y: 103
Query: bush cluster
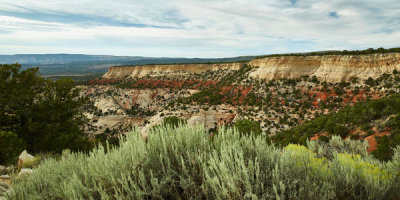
x: 380, y: 50
x: 183, y: 163
x: 360, y: 115
x: 10, y: 147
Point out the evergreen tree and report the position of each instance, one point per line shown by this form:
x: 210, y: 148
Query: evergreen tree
x: 45, y: 114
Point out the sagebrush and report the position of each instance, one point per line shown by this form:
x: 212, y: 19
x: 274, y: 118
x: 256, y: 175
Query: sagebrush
x: 187, y: 163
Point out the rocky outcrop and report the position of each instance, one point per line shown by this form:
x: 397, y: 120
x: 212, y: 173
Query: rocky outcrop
x: 171, y: 70
x: 24, y: 158
x: 331, y: 68
x: 210, y: 119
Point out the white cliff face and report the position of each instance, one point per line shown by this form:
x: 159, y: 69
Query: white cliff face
x: 332, y: 68
x: 171, y: 70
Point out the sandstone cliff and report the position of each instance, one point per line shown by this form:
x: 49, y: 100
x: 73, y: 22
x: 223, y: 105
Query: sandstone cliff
x: 332, y: 68
x: 143, y: 70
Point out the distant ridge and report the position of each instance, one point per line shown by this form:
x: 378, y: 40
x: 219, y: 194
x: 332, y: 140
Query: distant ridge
x: 60, y: 58
x: 60, y: 64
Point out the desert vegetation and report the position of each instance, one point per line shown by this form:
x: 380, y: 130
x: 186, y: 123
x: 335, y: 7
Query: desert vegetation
x: 187, y: 163
x: 380, y: 115
x: 344, y: 52
x: 277, y: 104
x: 39, y: 115
x: 136, y: 138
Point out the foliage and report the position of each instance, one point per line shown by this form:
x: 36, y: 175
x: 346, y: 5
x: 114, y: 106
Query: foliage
x: 183, y: 163
x: 10, y: 147
x: 385, y: 146
x: 224, y: 91
x: 359, y: 115
x: 336, y: 145
x: 45, y: 114
x: 136, y: 110
x: 173, y: 121
x: 344, y: 52
x: 302, y: 154
x: 372, y: 175
x: 248, y: 127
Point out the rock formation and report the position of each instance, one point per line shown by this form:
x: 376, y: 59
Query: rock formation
x: 177, y: 69
x: 24, y: 158
x: 331, y: 68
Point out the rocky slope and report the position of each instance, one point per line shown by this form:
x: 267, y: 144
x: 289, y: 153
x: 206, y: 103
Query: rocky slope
x: 331, y: 68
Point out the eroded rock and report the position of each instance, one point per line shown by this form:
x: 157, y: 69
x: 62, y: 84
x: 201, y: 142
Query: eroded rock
x: 24, y: 158
x: 211, y: 119
x: 330, y: 68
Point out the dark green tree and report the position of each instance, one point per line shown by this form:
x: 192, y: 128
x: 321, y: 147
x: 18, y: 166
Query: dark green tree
x: 173, y: 121
x: 10, y: 147
x: 247, y: 127
x: 46, y: 115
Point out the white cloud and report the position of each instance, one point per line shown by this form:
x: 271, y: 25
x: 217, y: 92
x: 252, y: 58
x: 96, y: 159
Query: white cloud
x: 196, y: 28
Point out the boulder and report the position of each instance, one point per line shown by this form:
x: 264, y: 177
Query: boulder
x: 25, y: 171
x: 24, y: 158
x: 5, y: 177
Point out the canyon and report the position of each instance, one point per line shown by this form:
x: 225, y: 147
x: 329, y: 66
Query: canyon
x: 278, y: 92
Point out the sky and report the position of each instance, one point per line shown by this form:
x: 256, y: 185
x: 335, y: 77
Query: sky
x: 196, y: 28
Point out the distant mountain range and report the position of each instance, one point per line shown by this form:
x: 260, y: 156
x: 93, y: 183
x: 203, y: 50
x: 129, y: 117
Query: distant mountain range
x: 61, y: 58
x: 78, y: 64
x: 60, y: 64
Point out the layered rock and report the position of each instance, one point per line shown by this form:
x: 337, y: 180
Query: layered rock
x: 171, y: 70
x: 211, y: 119
x: 331, y: 68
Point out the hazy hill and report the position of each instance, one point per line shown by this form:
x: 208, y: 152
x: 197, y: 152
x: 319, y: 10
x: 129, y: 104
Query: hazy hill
x: 66, y: 64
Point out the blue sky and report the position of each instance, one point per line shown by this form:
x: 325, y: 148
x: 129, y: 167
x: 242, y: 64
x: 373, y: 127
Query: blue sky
x: 196, y: 28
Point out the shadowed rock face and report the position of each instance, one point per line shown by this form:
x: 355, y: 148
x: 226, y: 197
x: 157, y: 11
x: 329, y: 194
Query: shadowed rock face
x: 330, y: 68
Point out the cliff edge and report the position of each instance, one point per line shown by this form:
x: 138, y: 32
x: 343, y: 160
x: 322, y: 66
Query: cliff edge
x: 331, y: 68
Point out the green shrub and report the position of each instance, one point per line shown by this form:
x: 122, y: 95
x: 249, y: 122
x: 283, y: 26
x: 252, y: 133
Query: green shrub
x: 370, y: 176
x: 323, y: 138
x: 173, y: 121
x: 183, y: 163
x: 385, y: 147
x: 360, y: 116
x: 10, y: 147
x: 336, y: 145
x: 248, y: 127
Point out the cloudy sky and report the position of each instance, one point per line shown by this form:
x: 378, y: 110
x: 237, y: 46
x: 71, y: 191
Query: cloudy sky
x: 196, y: 28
